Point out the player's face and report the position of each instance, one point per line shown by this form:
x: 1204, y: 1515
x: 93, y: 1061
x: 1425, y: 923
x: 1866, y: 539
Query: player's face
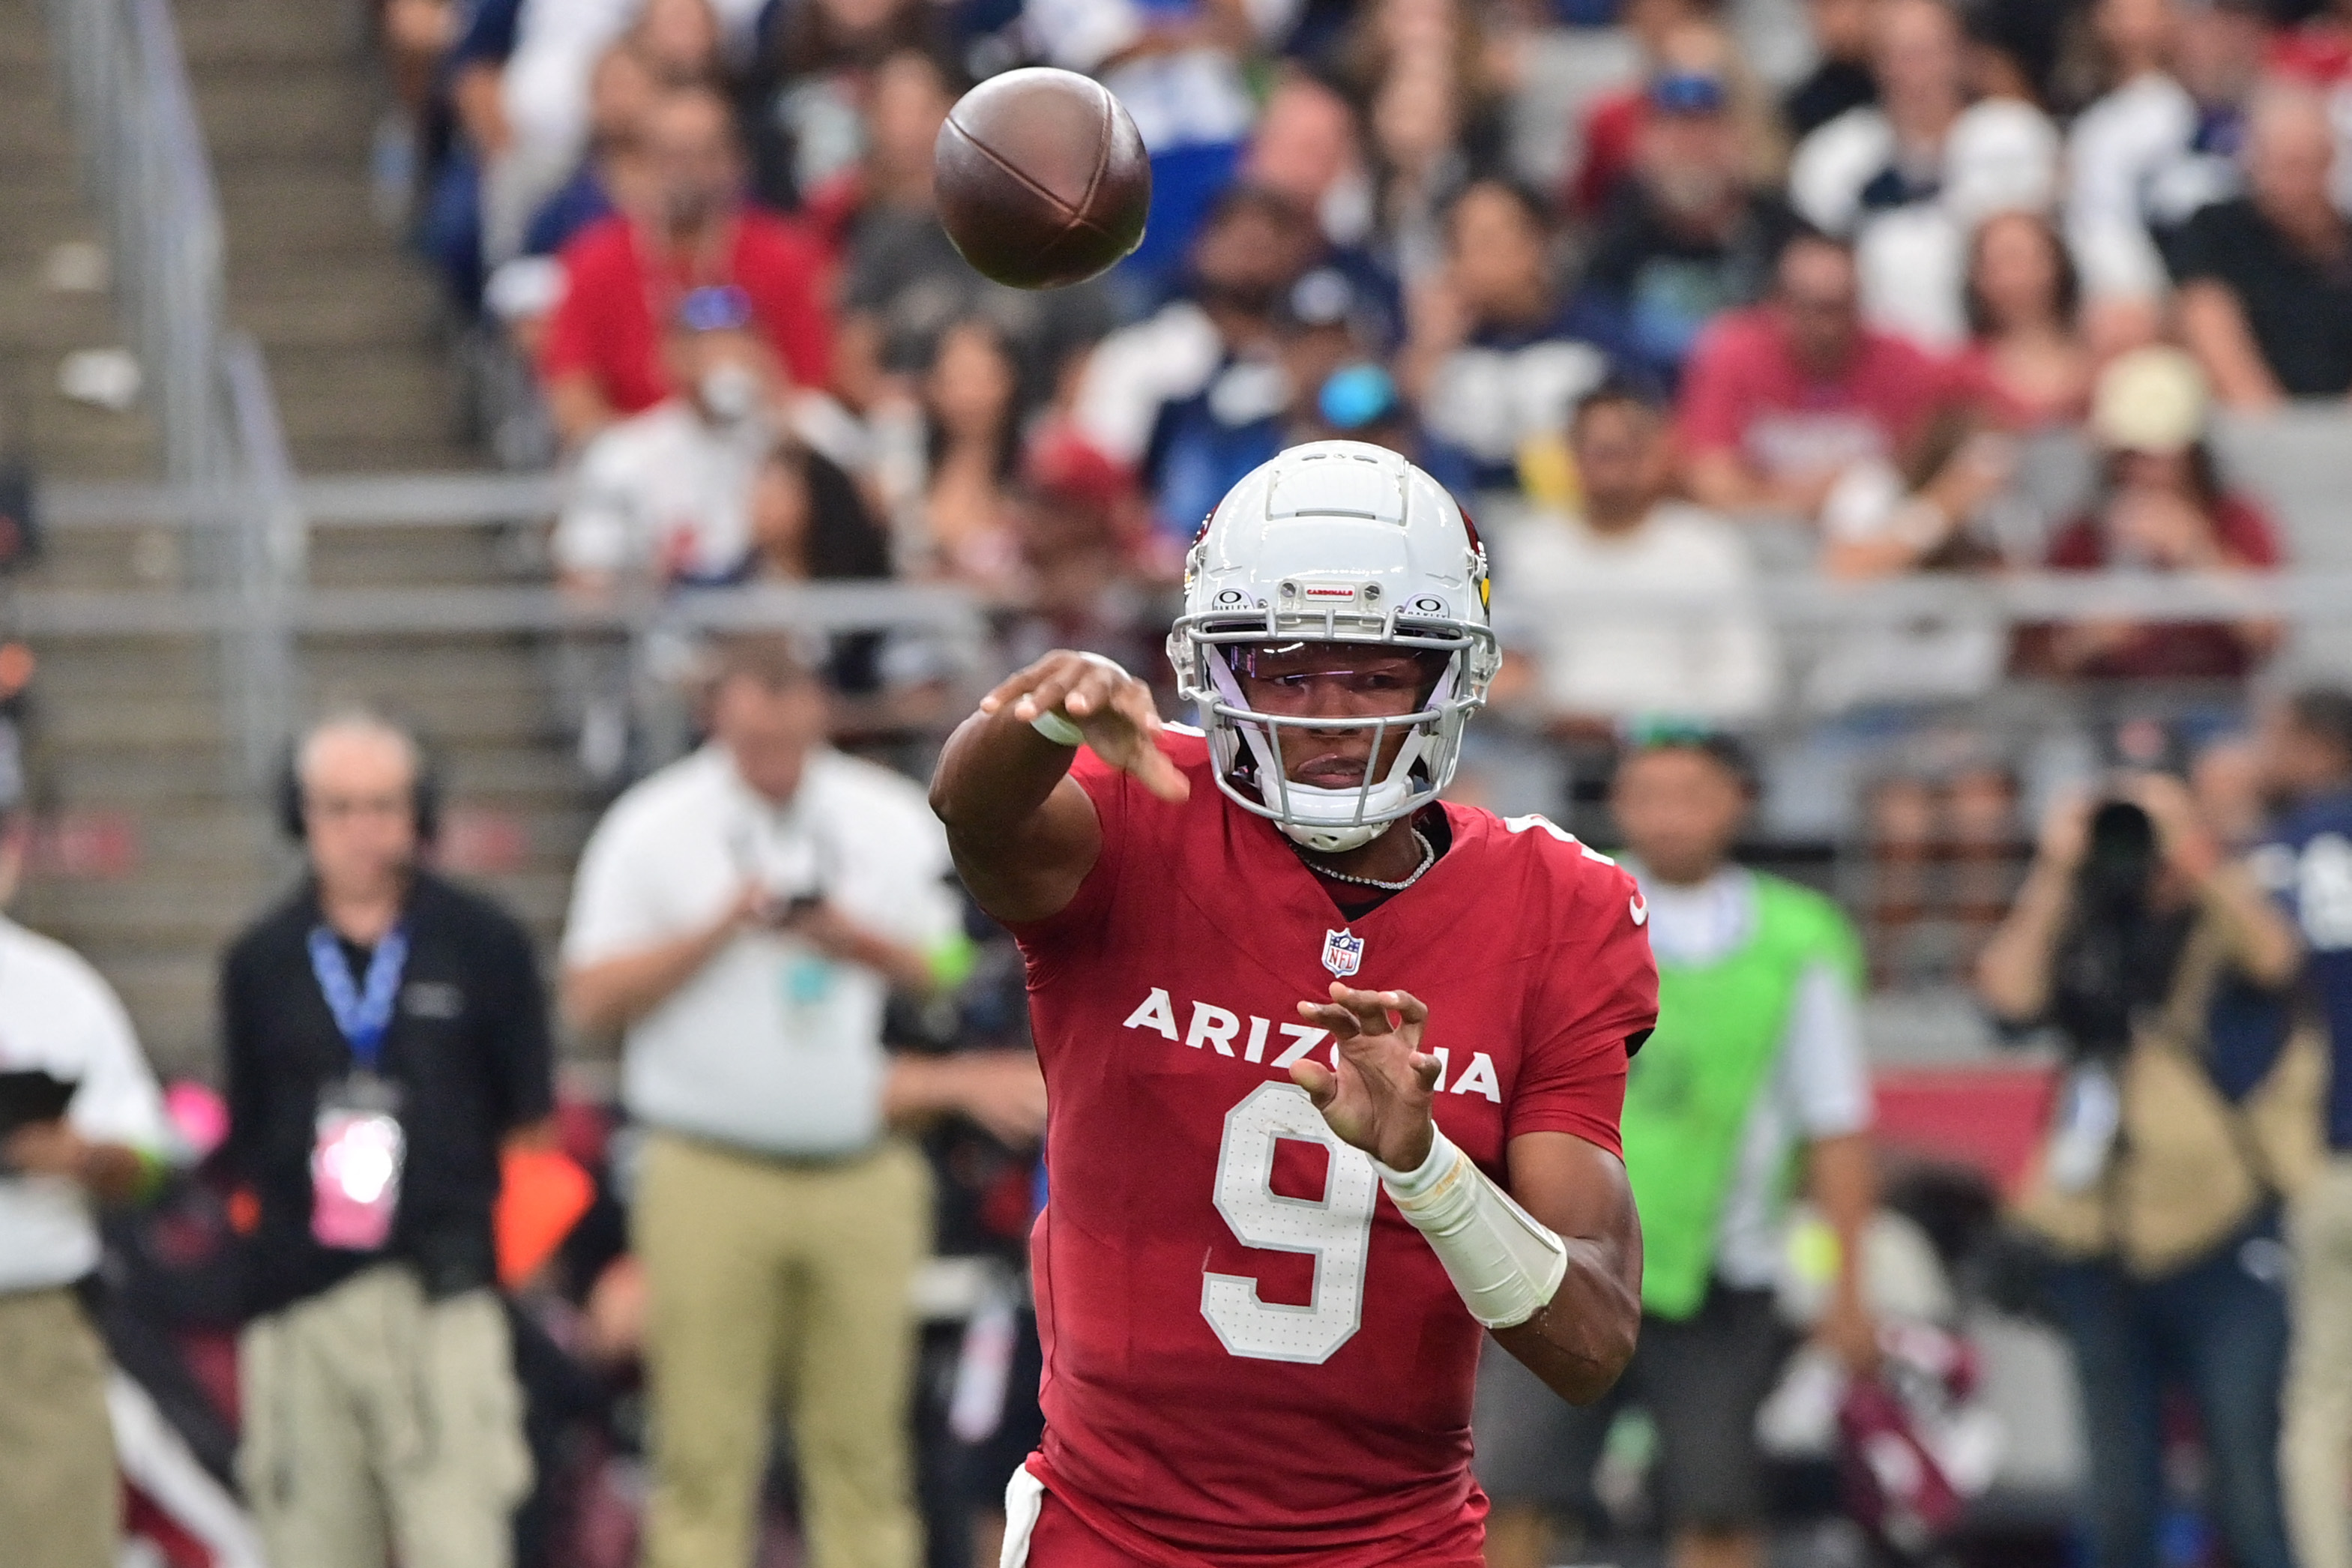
x: 1345, y: 683
x: 1680, y: 810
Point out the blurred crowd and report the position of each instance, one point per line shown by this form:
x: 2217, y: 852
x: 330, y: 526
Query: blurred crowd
x: 1684, y: 297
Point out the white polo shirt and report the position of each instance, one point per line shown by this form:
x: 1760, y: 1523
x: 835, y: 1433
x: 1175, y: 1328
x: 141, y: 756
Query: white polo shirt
x: 664, y: 494
x: 1586, y: 607
x: 771, y: 1046
x: 58, y: 1017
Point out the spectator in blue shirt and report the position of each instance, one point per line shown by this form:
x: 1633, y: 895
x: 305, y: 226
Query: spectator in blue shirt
x: 1192, y: 397
x: 2306, y: 743
x: 1493, y: 358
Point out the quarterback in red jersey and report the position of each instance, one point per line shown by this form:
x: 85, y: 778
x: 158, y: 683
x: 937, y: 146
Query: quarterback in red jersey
x: 1334, y: 1068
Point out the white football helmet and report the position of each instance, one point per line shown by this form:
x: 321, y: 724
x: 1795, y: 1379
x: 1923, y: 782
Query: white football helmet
x: 1335, y: 542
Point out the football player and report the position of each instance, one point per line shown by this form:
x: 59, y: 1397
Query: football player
x: 1334, y: 1068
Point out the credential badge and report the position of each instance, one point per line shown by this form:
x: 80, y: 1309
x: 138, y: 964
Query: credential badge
x: 1343, y: 953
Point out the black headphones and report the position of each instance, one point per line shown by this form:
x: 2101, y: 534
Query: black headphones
x: 424, y: 794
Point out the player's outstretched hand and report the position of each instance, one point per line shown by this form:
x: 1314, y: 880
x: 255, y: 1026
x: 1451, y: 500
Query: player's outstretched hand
x: 1111, y: 708
x: 1379, y: 1099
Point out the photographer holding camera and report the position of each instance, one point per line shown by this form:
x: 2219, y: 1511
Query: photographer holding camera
x: 2173, y: 1135
x: 740, y: 915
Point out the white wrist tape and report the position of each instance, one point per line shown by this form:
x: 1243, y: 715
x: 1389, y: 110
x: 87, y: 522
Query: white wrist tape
x: 1057, y: 728
x: 1504, y: 1261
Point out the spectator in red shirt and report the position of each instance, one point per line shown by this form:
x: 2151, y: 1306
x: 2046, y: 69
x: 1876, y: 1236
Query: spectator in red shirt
x: 1780, y: 401
x: 603, y: 357
x: 2164, y: 509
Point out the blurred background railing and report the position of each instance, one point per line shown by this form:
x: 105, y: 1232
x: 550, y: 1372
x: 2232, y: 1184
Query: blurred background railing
x: 225, y: 457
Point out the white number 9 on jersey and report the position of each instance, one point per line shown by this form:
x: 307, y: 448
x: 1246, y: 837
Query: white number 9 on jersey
x: 1335, y: 1230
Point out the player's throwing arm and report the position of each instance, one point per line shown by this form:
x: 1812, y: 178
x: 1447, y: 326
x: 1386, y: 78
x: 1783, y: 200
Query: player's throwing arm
x: 1023, y: 834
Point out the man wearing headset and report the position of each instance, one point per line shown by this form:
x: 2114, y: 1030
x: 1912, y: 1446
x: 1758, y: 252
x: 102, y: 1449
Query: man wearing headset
x: 385, y: 1033
x: 1333, y: 1069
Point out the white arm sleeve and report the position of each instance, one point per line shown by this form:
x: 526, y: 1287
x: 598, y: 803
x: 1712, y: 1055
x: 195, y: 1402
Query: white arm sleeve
x: 1504, y: 1261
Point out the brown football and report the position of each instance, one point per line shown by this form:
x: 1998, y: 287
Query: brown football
x: 1041, y: 179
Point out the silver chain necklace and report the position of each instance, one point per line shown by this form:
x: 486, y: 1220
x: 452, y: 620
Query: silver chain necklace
x: 1428, y: 858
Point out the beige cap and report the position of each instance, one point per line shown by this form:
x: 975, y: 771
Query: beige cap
x: 2150, y: 400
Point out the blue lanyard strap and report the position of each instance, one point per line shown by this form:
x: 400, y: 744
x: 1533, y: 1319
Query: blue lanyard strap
x: 364, y: 1015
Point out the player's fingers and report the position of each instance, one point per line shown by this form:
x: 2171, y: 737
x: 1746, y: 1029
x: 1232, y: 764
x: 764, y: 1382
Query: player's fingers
x: 1094, y: 690
x: 1407, y: 1007
x: 1371, y: 1008
x: 1132, y: 701
x: 1342, y: 1024
x: 1321, y: 1084
x: 1045, y: 696
x: 1009, y: 688
x: 1426, y: 1067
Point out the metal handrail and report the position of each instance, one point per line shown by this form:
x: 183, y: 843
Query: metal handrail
x: 268, y: 550
x: 1785, y: 600
x: 939, y: 610
x: 144, y: 159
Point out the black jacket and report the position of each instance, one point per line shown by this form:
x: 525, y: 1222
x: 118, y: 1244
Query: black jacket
x: 468, y: 1046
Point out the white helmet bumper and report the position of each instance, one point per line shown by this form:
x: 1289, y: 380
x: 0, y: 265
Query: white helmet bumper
x: 1335, y: 542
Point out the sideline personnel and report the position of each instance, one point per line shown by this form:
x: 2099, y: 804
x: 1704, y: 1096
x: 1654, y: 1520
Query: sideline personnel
x: 384, y: 1031
x: 60, y: 1504
x: 1757, y: 1068
x: 743, y: 915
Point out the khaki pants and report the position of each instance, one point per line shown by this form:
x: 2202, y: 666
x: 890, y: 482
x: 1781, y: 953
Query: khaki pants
x: 377, y: 1421
x: 60, y: 1503
x: 771, y: 1282
x: 2316, y: 1444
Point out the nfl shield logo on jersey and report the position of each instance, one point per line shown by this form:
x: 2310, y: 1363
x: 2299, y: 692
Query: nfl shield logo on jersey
x: 1342, y: 954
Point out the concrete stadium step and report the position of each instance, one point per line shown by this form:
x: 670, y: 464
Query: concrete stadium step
x: 97, y: 670
x: 292, y: 278
x: 381, y: 557
x: 431, y: 450
x: 32, y: 122
x: 461, y: 720
x: 45, y: 207
x: 397, y: 397
x: 164, y: 720
x: 281, y: 116
x: 156, y: 909
x: 140, y: 558
x: 313, y: 213
x: 33, y: 315
x: 70, y: 439
x: 249, y: 33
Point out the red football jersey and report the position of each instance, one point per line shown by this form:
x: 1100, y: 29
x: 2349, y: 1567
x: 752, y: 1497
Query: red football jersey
x: 1250, y: 1356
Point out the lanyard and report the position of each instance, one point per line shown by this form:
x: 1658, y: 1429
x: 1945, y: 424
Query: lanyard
x: 363, y: 1016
